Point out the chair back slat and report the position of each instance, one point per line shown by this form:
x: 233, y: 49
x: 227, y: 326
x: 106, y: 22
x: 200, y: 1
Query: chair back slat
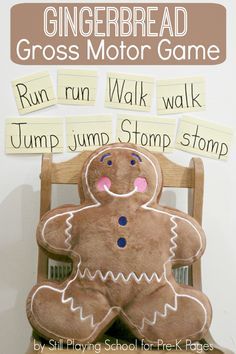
x: 67, y: 172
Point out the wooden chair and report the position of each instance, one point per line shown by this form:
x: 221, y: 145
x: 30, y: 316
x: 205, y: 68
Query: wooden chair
x: 175, y: 176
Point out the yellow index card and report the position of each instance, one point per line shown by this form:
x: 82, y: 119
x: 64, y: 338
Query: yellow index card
x: 204, y: 138
x: 33, y: 92
x: 34, y: 135
x: 129, y: 92
x: 180, y: 95
x: 88, y: 132
x: 77, y: 87
x: 157, y: 134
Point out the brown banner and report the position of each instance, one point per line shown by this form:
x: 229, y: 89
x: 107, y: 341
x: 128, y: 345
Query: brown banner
x: 118, y: 34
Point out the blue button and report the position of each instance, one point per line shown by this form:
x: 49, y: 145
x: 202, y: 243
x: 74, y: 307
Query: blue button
x: 122, y: 220
x: 121, y: 242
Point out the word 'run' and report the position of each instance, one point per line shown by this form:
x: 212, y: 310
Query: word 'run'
x: 29, y: 99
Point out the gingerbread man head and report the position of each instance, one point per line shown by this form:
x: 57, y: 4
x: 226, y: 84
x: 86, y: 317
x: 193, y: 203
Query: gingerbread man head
x: 122, y: 172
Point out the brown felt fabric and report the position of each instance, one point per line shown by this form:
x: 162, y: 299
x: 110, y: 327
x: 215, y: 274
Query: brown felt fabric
x: 130, y: 278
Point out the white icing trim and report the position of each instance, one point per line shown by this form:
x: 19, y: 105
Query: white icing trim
x: 120, y: 276
x: 172, y: 240
x: 68, y: 223
x: 173, y: 308
x: 67, y: 231
x: 125, y: 195
x: 201, y: 304
x: 172, y: 217
x: 157, y: 313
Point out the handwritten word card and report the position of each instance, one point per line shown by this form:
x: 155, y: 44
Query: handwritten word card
x: 34, y: 135
x: 88, y: 132
x: 76, y: 87
x: 204, y: 138
x: 180, y: 95
x: 33, y: 92
x: 129, y: 92
x: 154, y: 133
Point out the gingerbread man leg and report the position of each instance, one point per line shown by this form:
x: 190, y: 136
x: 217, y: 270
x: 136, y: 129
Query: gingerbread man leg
x: 82, y: 318
x: 154, y: 316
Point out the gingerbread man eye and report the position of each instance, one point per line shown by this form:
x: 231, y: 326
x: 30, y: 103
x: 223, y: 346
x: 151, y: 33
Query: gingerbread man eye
x: 109, y: 163
x: 136, y: 159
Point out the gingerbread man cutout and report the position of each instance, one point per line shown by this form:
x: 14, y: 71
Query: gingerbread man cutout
x: 123, y: 245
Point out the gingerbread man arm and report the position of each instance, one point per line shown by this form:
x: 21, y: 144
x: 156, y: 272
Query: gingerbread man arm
x: 189, y: 241
x: 55, y: 230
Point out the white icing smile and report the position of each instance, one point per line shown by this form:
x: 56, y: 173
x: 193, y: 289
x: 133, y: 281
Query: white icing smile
x: 125, y: 195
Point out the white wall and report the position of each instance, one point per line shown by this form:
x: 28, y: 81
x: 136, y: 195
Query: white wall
x: 19, y: 193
